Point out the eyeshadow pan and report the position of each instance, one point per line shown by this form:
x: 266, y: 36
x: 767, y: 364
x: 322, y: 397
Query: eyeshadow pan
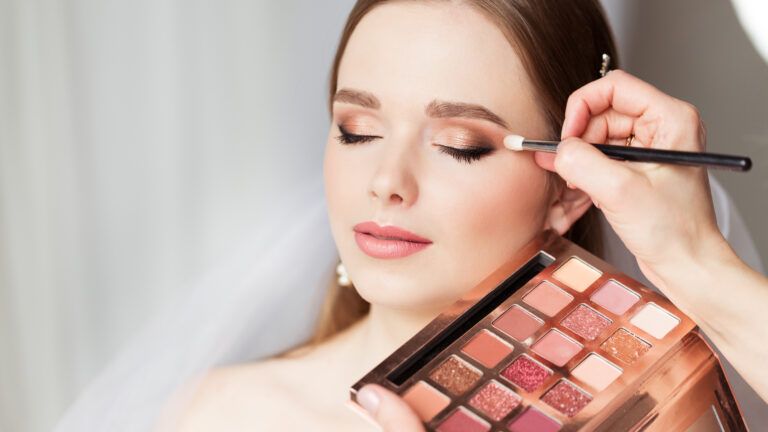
x: 495, y: 400
x: 425, y: 400
x: 547, y: 298
x: 577, y: 274
x: 462, y: 420
x: 566, y: 398
x: 556, y: 347
x: 533, y: 420
x: 526, y: 372
x: 625, y: 346
x: 654, y: 320
x: 586, y: 322
x: 615, y: 297
x: 455, y: 375
x: 487, y: 348
x: 518, y: 323
x: 596, y: 372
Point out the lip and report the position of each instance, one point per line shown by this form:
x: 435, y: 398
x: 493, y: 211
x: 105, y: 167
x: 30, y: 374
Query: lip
x: 388, y: 241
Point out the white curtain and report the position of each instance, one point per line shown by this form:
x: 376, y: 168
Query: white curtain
x: 138, y: 139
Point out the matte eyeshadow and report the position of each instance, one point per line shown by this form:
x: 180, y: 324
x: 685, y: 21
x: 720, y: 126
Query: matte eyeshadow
x: 625, y: 346
x: 518, y: 323
x: 533, y: 420
x: 615, y: 297
x: 487, y: 348
x: 495, y: 400
x: 577, y: 274
x: 462, y: 420
x: 455, y: 375
x: 585, y: 322
x: 566, y: 398
x: 526, y: 373
x: 425, y: 400
x: 596, y: 372
x: 556, y: 347
x: 547, y: 298
x: 654, y: 320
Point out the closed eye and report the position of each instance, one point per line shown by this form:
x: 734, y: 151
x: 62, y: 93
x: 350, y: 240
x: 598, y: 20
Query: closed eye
x: 349, y: 138
x: 467, y: 155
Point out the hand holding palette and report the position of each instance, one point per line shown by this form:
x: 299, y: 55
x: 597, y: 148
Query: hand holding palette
x: 558, y: 340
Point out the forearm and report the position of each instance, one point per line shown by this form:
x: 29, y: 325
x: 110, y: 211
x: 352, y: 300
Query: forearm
x: 729, y: 302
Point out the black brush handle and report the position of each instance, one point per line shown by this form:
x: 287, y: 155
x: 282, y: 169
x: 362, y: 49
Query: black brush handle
x: 710, y: 160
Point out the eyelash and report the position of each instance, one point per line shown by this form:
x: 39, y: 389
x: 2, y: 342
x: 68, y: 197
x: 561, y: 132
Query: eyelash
x: 468, y: 155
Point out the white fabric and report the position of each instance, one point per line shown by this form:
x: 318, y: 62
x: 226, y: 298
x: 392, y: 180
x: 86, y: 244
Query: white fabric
x: 752, y: 15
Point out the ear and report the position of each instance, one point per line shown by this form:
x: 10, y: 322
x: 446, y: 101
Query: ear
x: 568, y: 205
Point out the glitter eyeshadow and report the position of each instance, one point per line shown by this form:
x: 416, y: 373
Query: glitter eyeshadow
x: 533, y: 420
x: 455, y: 375
x: 586, y: 322
x: 625, y: 346
x: 526, y: 373
x: 495, y: 400
x: 566, y: 398
x: 462, y: 420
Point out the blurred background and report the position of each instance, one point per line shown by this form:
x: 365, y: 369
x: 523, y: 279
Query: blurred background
x: 139, y: 140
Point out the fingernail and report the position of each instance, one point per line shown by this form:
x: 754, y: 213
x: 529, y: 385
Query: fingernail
x: 368, y: 399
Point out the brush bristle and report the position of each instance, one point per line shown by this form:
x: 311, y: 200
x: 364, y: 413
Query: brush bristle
x: 514, y: 142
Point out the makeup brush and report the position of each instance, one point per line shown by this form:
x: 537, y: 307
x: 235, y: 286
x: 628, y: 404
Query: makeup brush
x: 639, y: 154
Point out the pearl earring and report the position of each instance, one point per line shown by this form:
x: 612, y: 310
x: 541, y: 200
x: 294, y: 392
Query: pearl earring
x: 343, y: 277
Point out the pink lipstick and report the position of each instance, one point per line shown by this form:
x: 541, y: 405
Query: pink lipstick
x: 387, y: 241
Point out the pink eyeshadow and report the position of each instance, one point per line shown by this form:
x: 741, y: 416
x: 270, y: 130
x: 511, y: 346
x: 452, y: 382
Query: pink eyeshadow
x: 548, y: 298
x: 556, y: 347
x: 532, y: 420
x: 526, y: 373
x: 518, y: 323
x: 462, y: 420
x: 566, y: 398
x: 487, y: 348
x: 495, y: 401
x: 615, y: 298
x: 585, y: 322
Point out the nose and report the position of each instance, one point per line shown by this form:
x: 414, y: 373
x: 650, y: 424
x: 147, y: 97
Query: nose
x: 393, y: 182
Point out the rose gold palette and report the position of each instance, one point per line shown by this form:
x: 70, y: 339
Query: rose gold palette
x: 558, y: 340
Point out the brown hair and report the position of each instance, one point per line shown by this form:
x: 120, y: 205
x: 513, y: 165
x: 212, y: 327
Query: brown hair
x: 561, y: 45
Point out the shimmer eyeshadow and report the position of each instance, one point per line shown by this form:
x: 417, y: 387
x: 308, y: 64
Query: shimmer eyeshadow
x: 596, y: 372
x: 425, y: 400
x: 455, y: 375
x: 527, y: 373
x: 615, y: 297
x: 625, y: 346
x: 495, y: 400
x: 654, y: 320
x: 585, y: 322
x: 462, y: 420
x: 487, y: 348
x: 566, y: 398
x: 533, y: 420
x: 577, y: 274
x: 518, y: 323
x: 556, y: 347
x: 547, y: 298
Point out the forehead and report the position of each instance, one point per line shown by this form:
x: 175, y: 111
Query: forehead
x: 409, y: 54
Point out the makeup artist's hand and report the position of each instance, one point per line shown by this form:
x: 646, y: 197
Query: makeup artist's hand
x: 664, y: 213
x: 388, y: 409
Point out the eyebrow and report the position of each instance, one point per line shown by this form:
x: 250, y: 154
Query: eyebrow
x: 436, y: 109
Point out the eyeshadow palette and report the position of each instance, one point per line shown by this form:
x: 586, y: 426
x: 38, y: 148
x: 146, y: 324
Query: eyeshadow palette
x: 555, y: 339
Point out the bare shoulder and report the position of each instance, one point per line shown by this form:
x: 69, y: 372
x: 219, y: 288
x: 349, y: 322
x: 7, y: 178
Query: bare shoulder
x: 237, y: 397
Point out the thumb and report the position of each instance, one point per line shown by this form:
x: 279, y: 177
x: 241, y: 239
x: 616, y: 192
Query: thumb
x: 606, y: 181
x: 388, y: 409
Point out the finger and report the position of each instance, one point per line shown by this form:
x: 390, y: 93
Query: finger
x: 608, y: 127
x: 607, y: 182
x: 545, y: 160
x: 388, y: 409
x: 618, y: 90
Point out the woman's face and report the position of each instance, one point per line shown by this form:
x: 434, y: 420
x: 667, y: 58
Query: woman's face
x: 426, y: 93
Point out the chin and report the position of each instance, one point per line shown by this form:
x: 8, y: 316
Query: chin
x: 403, y: 293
